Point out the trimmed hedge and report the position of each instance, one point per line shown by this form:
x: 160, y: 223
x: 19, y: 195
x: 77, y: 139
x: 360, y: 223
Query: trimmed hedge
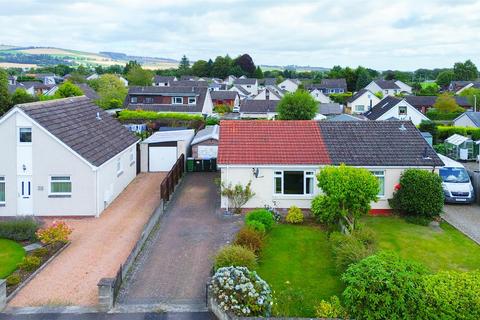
x: 21, y: 229
x: 443, y: 132
x: 262, y: 216
x: 126, y: 115
x: 434, y: 114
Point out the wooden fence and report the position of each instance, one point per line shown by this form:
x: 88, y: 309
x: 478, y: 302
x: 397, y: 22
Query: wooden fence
x: 170, y: 181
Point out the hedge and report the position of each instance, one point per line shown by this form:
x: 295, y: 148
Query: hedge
x: 443, y: 132
x: 126, y: 115
x: 434, y: 114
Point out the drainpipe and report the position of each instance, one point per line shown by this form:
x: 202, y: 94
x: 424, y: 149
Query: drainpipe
x: 227, y: 180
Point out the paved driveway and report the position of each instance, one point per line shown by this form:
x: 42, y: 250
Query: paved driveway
x: 98, y: 247
x: 175, y: 264
x: 465, y: 218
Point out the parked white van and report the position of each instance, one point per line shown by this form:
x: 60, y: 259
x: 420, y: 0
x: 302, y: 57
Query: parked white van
x: 456, y: 183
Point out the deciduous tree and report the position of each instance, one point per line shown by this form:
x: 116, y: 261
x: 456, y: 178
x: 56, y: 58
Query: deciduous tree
x: 299, y: 105
x: 446, y: 103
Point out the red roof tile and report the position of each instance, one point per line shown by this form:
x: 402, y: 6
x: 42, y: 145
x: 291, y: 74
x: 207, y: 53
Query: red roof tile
x: 271, y: 142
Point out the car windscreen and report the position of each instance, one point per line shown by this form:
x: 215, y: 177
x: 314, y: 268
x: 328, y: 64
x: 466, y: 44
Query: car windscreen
x: 454, y: 175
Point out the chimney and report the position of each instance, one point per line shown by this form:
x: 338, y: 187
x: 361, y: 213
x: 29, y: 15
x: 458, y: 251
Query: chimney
x: 98, y: 116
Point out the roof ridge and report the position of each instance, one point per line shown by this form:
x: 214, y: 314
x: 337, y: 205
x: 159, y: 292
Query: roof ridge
x: 47, y: 102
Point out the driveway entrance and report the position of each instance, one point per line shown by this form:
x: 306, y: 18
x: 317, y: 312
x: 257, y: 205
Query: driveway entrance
x: 465, y: 218
x: 175, y: 264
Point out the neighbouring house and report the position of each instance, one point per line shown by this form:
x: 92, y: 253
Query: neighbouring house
x: 392, y: 108
x: 389, y: 87
x: 244, y: 94
x: 361, y: 102
x: 282, y: 158
x: 290, y: 85
x: 205, y: 143
x: 189, y: 83
x: 262, y: 83
x: 46, y: 78
x: 459, y: 86
x: 248, y: 84
x: 64, y: 157
x: 230, y: 79
x: 258, y: 109
x: 225, y: 97
x: 319, y: 96
x: 216, y: 86
x: 88, y: 91
x: 160, y: 151
x: 12, y: 80
x: 18, y: 85
x: 329, y: 109
x: 424, y: 103
x: 163, y: 81
x: 195, y: 100
x: 36, y: 88
x: 268, y: 94
x: 329, y: 86
x: 468, y: 119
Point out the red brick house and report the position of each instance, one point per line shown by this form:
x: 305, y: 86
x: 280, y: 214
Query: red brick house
x: 225, y: 97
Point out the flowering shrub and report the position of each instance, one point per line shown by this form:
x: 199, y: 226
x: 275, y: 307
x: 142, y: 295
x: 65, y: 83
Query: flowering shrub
x: 56, y: 232
x: 241, y: 291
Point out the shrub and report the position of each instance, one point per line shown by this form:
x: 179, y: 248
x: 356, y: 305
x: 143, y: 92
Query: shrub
x: 29, y: 263
x: 241, y: 292
x: 237, y: 256
x: 256, y: 225
x: 223, y: 108
x: 263, y: 216
x: 384, y: 286
x: 21, y: 229
x: 331, y: 309
x: 57, y: 232
x: 443, y: 132
x: 40, y: 252
x: 298, y: 105
x: 365, y: 235
x: 210, y: 121
x: 295, y: 215
x: 237, y: 195
x: 420, y: 194
x: 125, y: 115
x: 434, y: 114
x: 13, y: 279
x: 452, y: 295
x: 250, y: 239
x: 347, y: 249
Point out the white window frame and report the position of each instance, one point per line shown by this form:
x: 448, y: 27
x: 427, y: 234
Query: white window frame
x: 359, y: 105
x: 119, y: 166
x: 4, y: 183
x: 307, y: 174
x: 194, y: 100
x: 380, y: 174
x: 19, y: 135
x: 403, y: 107
x: 52, y: 193
x: 174, y: 100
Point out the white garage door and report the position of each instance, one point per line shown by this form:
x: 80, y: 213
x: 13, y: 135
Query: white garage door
x: 161, y: 158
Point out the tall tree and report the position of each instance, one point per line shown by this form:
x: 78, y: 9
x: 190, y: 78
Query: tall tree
x: 363, y: 78
x: 446, y: 103
x: 299, y: 105
x: 184, y: 66
x: 111, y: 91
x: 4, y: 96
x: 245, y: 62
x: 130, y: 65
x: 221, y: 67
x: 465, y: 71
x: 137, y: 76
x: 444, y: 78
x: 473, y: 97
x: 201, y: 68
x: 258, y: 73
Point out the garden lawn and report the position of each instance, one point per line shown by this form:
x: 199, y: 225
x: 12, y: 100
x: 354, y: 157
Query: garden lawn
x: 11, y: 253
x: 446, y: 249
x: 297, y: 263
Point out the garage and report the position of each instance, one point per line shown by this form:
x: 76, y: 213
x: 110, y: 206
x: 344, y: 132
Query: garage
x: 160, y: 151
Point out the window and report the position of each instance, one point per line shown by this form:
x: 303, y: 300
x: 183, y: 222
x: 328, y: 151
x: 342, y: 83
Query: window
x: 25, y: 135
x: 380, y: 174
x: 133, y: 99
x: 132, y: 157
x: 60, y: 185
x: 192, y: 100
x: 293, y: 182
x: 2, y: 190
x: 177, y: 100
x: 360, y: 108
x: 332, y: 90
x: 119, y: 166
x: 148, y: 99
x: 402, y: 111
x: 249, y: 86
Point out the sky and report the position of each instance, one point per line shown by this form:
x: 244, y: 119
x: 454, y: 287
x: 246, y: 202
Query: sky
x: 380, y: 34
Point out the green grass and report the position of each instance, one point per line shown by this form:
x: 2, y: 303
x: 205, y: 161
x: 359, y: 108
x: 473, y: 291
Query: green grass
x: 297, y: 260
x: 447, y: 249
x: 297, y: 263
x: 11, y: 253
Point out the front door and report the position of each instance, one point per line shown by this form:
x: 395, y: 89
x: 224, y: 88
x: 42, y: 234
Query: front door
x: 25, y: 201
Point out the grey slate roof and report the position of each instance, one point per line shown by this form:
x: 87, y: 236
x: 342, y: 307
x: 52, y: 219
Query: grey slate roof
x: 474, y: 116
x: 329, y: 108
x: 13, y: 87
x: 223, y: 95
x: 245, y: 81
x: 383, y: 106
x: 357, y: 95
x: 199, y: 92
x: 333, y: 83
x: 242, y: 90
x: 269, y: 81
x: 88, y: 91
x: 258, y: 106
x: 163, y: 79
x: 387, y: 84
x: 377, y: 143
x: 210, y: 132
x: 189, y: 83
x: 74, y: 122
x: 429, y: 101
x: 344, y: 117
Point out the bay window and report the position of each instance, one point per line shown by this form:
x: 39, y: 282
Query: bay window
x: 293, y: 182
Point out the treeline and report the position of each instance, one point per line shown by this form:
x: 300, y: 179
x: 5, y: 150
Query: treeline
x: 41, y: 59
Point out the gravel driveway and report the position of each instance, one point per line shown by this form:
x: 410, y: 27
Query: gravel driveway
x: 465, y: 218
x: 98, y: 247
x: 175, y: 264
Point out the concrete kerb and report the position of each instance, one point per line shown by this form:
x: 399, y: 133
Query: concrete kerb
x: 3, y: 294
x: 106, y: 286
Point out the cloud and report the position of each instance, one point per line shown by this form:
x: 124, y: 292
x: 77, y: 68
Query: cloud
x: 406, y: 35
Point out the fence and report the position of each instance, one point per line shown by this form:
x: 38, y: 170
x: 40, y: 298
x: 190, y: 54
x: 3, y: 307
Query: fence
x: 168, y: 184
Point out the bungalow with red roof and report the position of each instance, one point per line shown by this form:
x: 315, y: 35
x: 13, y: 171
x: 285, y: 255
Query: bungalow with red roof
x: 282, y: 158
